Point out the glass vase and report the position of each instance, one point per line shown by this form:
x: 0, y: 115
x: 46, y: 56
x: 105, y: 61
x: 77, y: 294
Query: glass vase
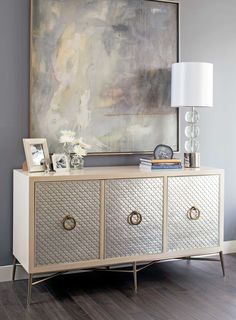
x: 76, y: 162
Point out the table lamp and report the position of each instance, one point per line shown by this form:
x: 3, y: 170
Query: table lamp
x: 192, y: 86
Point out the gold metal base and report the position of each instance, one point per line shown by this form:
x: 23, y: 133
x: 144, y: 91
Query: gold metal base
x: 222, y: 262
x: 134, y: 270
x: 210, y: 259
x: 30, y: 284
x: 14, y: 269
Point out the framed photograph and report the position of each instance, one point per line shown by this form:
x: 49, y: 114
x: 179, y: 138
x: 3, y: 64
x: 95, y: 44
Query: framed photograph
x: 36, y: 153
x: 119, y: 103
x: 60, y: 162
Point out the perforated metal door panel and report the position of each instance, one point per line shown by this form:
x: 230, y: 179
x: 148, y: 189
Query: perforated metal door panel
x: 121, y: 198
x: 55, y: 200
x: 184, y: 193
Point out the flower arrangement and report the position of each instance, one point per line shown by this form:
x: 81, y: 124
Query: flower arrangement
x: 73, y: 144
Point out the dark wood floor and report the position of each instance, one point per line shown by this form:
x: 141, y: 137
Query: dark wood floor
x: 177, y: 290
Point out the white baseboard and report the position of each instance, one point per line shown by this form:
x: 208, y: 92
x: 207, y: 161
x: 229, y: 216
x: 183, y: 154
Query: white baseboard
x: 229, y: 247
x: 6, y: 271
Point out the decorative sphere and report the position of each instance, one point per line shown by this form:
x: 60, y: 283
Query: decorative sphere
x: 192, y: 145
x: 192, y: 116
x: 192, y: 131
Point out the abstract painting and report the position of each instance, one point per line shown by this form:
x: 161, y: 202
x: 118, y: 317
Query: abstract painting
x: 103, y: 69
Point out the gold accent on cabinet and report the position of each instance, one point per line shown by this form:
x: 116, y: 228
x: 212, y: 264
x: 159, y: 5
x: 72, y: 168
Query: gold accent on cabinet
x: 69, y: 223
x: 134, y: 218
x: 193, y: 213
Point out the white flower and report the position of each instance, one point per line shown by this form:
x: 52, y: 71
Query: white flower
x: 73, y: 144
x: 82, y: 143
x: 67, y: 136
x: 81, y: 152
x: 77, y: 141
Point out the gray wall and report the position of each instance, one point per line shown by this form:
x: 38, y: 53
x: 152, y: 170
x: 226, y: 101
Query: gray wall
x: 13, y: 108
x: 208, y: 32
x: 208, y: 29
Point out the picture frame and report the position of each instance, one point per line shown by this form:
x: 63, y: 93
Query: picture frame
x: 60, y: 162
x: 36, y: 153
x: 124, y: 110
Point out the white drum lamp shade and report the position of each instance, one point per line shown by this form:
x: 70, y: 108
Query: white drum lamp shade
x: 192, y: 84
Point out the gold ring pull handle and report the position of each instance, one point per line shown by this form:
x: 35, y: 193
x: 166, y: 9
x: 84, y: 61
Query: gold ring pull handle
x: 193, y: 213
x: 134, y: 218
x: 69, y: 223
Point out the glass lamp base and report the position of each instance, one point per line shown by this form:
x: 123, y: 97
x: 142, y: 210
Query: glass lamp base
x: 192, y: 131
x: 192, y: 160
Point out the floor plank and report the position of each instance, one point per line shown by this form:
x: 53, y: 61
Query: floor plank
x: 183, y: 290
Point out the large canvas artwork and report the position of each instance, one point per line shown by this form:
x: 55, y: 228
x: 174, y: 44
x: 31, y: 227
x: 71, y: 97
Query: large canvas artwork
x: 102, y: 69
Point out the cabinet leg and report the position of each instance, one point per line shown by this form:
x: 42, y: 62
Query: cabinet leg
x: 188, y: 259
x: 14, y: 269
x: 135, y: 277
x: 222, y: 262
x: 29, y: 289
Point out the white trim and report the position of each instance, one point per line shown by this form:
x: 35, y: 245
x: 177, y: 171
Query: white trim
x: 6, y: 271
x: 229, y: 246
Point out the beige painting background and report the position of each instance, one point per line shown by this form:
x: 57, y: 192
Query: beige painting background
x: 102, y: 68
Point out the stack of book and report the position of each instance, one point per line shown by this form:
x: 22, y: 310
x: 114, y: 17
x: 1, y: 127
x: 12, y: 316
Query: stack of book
x: 160, y: 164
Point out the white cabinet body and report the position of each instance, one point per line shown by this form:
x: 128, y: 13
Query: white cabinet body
x: 115, y: 215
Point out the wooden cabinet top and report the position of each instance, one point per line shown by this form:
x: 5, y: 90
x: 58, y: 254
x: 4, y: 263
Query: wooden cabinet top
x: 116, y: 172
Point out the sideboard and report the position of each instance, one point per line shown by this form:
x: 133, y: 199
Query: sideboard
x: 109, y: 216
